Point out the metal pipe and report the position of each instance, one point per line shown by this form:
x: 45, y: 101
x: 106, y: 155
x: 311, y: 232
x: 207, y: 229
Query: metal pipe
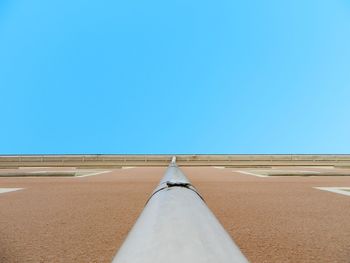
x: 177, y: 226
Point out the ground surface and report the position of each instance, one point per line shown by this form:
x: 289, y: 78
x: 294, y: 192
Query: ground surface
x: 272, y: 219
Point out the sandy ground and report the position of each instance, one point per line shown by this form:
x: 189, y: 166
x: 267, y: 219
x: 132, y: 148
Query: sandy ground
x: 274, y: 219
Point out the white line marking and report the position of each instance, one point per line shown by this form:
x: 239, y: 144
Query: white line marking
x: 33, y: 167
x: 254, y: 174
x: 337, y: 190
x: 127, y: 167
x: 290, y: 171
x: 219, y: 167
x: 7, y: 190
x: 43, y: 172
x: 92, y: 174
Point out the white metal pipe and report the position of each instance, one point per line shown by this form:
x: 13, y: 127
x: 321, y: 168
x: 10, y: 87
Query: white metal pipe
x: 177, y: 226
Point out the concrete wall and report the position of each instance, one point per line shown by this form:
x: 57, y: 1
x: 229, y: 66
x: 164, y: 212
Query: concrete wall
x: 105, y: 161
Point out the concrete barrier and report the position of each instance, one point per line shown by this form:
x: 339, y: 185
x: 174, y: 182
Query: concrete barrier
x: 117, y: 161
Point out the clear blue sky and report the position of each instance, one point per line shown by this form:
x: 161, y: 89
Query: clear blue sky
x: 185, y: 76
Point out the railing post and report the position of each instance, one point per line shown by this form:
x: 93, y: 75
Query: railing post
x: 176, y: 226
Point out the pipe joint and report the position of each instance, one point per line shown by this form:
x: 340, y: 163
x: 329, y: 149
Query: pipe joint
x: 170, y: 184
x: 180, y: 184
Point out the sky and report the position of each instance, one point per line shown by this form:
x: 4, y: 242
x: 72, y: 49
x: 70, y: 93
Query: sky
x: 177, y: 76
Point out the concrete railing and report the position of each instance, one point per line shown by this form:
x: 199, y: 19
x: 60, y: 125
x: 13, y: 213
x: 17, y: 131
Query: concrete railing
x: 105, y: 161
